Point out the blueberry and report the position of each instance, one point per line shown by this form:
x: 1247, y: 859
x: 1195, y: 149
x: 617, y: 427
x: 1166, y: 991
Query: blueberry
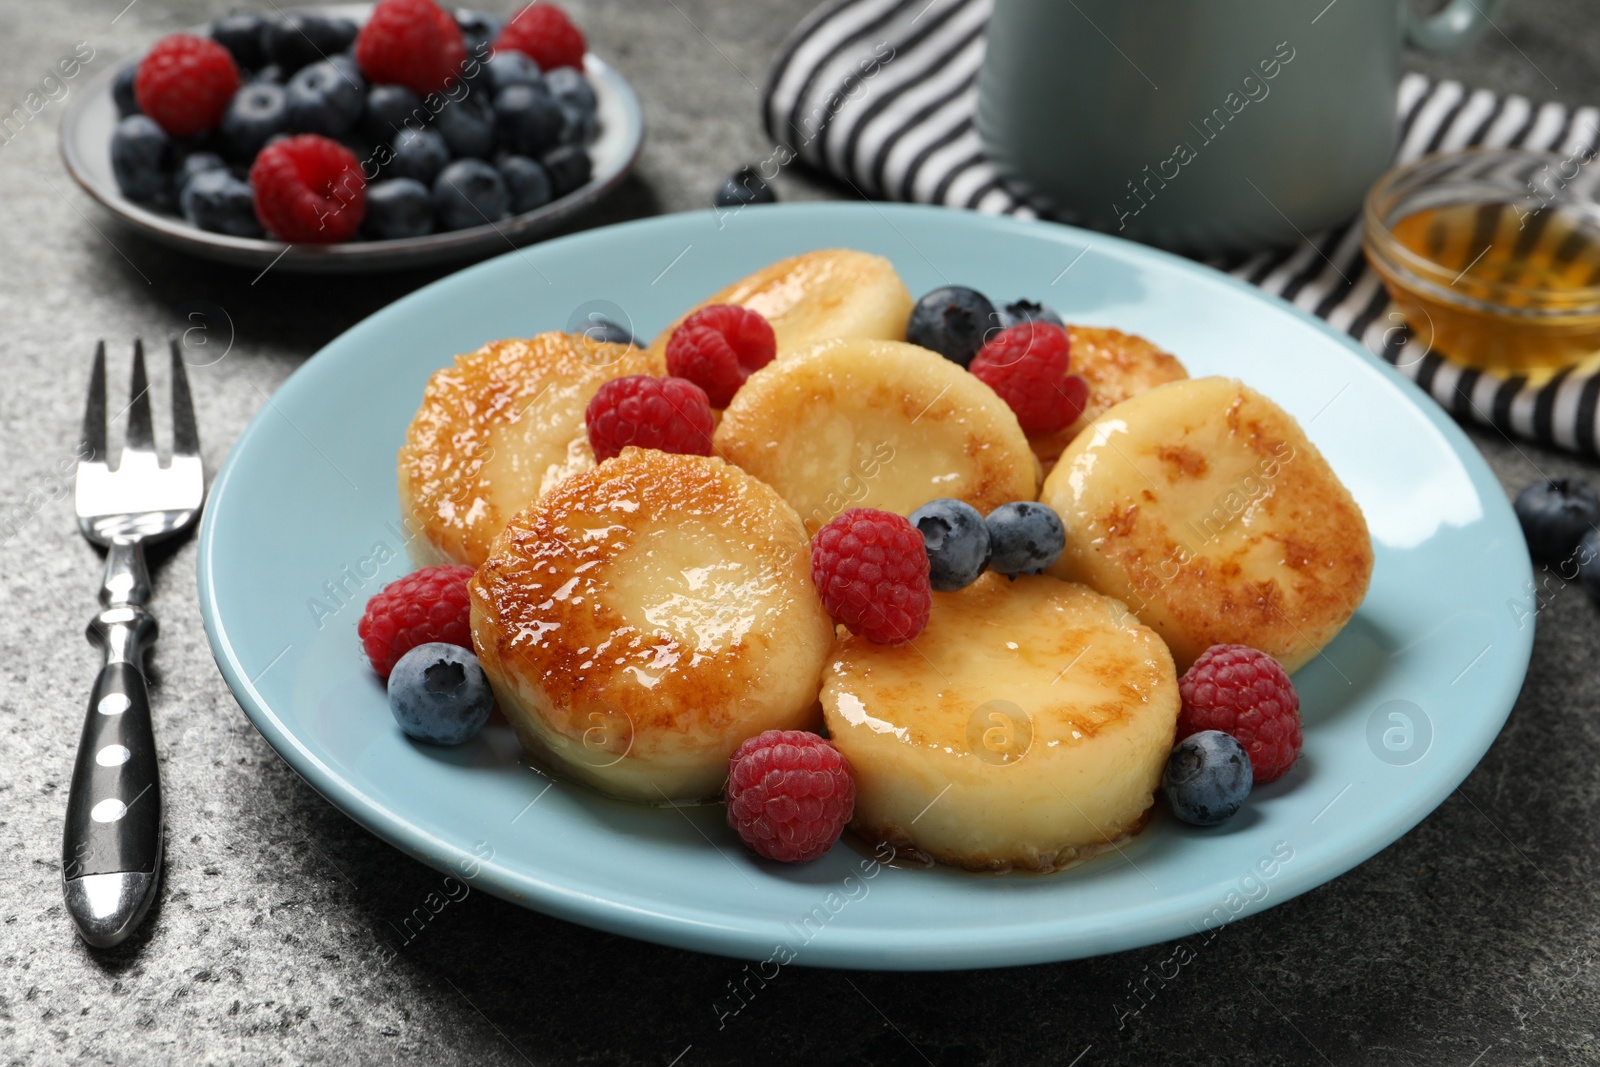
x: 1015, y: 314
x: 528, y: 119
x: 322, y: 99
x: 398, y: 207
x: 388, y: 109
x: 271, y: 74
x: 241, y: 34
x: 298, y: 40
x: 1025, y: 537
x: 1207, y: 778
x: 419, y: 154
x: 469, y: 192
x: 216, y: 200
x: 508, y: 68
x: 579, y: 108
x: 527, y: 182
x: 439, y: 694
x: 1555, y: 514
x: 122, y: 91
x: 744, y: 186
x: 953, y: 321
x: 602, y: 329
x: 467, y: 126
x: 478, y: 29
x: 140, y: 154
x: 569, y: 168
x: 255, y: 114
x: 194, y: 164
x: 957, y: 540
x: 1589, y: 564
x: 345, y: 63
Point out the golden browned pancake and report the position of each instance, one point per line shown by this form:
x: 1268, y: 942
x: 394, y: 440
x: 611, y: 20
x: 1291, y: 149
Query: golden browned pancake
x: 1204, y: 507
x: 881, y: 424
x: 1026, y: 727
x: 817, y: 296
x: 1117, y: 366
x: 646, y: 617
x: 494, y: 431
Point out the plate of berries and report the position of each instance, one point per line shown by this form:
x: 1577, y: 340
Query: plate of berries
x: 908, y: 600
x: 356, y: 137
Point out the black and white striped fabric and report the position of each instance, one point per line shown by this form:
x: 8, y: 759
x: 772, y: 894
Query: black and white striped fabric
x: 881, y: 94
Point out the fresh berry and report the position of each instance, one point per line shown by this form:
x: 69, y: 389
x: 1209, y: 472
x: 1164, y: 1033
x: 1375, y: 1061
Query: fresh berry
x: 1027, y: 366
x: 1244, y: 692
x: 412, y: 43
x: 310, y: 189
x: 215, y: 200
x: 389, y: 109
x: 271, y: 74
x: 789, y: 795
x: 544, y: 34
x: 257, y: 113
x: 1207, y: 778
x: 718, y: 347
x: 323, y: 99
x: 569, y: 167
x: 140, y: 151
x: 418, y: 154
x: 467, y: 127
x: 298, y: 40
x: 527, y: 182
x: 953, y: 321
x: 469, y: 192
x: 957, y: 540
x: 1025, y: 537
x: 1020, y: 311
x: 602, y: 329
x: 398, y: 207
x: 871, y: 569
x: 505, y: 69
x: 478, y: 30
x: 427, y: 605
x: 193, y: 165
x: 185, y: 83
x: 1555, y: 515
x: 744, y: 186
x: 242, y: 34
x: 438, y: 694
x: 579, y: 106
x: 669, y: 414
x: 122, y: 91
x: 527, y: 118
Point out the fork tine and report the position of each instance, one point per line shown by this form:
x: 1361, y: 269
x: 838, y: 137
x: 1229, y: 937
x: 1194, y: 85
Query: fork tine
x: 140, y: 436
x: 94, y: 414
x: 185, y: 435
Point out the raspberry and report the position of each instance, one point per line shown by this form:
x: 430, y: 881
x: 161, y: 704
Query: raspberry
x: 309, y: 188
x: 414, y: 43
x: 185, y: 82
x: 789, y: 794
x: 669, y: 414
x: 544, y: 34
x: 424, y: 606
x: 1027, y: 365
x: 871, y: 569
x: 718, y: 346
x: 1244, y: 692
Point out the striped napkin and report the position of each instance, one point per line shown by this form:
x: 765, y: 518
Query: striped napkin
x: 881, y: 94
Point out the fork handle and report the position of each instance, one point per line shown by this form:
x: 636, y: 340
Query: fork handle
x: 111, y: 850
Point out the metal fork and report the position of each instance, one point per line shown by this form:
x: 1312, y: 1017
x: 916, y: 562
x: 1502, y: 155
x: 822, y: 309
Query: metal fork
x: 111, y: 851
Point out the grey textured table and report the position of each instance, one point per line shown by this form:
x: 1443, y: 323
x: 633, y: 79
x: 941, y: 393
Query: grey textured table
x: 1469, y: 941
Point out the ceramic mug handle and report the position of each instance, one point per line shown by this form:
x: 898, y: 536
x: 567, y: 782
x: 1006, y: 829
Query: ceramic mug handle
x: 1458, y: 24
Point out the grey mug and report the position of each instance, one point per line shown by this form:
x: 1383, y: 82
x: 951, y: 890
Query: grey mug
x: 1205, y: 126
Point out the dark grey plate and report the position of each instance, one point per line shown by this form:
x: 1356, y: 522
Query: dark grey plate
x: 86, y: 149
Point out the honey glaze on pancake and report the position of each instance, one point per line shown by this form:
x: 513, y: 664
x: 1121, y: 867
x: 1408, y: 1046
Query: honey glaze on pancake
x: 665, y: 599
x: 496, y: 429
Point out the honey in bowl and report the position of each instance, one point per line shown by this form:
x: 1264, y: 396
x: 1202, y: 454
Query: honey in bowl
x: 1493, y: 257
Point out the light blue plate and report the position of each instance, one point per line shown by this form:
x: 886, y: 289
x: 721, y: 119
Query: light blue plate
x: 1402, y: 705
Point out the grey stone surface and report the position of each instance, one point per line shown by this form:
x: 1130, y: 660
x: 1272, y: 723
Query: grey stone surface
x: 1471, y: 940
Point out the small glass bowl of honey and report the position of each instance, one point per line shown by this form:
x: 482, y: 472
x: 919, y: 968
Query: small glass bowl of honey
x: 1493, y: 256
